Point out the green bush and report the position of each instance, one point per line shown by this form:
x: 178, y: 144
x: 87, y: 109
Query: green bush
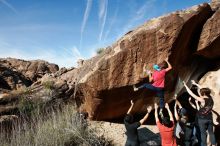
x: 100, y: 50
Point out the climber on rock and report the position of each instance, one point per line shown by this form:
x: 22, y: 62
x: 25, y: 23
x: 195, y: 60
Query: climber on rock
x: 158, y: 79
x: 131, y: 126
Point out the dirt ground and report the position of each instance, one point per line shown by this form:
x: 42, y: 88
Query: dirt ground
x: 148, y: 134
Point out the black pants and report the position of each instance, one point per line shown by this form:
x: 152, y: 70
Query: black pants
x: 206, y: 124
x: 159, y: 92
x: 132, y: 143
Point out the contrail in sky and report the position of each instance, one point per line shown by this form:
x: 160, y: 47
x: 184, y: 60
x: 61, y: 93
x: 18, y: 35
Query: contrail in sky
x: 9, y: 6
x: 85, y: 18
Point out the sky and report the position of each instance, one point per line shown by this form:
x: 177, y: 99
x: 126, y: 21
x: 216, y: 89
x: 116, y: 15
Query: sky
x: 63, y: 31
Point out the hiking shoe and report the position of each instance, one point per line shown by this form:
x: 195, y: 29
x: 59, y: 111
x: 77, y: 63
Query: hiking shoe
x: 135, y: 88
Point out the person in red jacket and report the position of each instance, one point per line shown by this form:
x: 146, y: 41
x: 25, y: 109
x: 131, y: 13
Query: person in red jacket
x: 158, y: 79
x: 166, y: 127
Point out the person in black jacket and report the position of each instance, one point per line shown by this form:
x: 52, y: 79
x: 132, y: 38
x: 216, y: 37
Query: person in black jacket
x: 204, y: 114
x: 131, y: 126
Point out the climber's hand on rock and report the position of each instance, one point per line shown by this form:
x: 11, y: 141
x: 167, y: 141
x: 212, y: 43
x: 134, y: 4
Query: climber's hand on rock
x: 148, y: 72
x: 149, y: 109
x: 175, y: 96
x: 184, y: 83
x: 132, y: 103
x: 193, y: 82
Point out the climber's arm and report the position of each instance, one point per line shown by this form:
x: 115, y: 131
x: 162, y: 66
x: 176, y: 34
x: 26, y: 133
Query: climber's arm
x: 169, y: 65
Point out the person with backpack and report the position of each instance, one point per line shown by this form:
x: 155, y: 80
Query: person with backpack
x: 131, y: 126
x: 158, y: 79
x: 184, y: 130
x: 166, y: 127
x: 205, y: 120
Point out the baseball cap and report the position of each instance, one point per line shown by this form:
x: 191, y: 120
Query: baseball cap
x: 156, y: 67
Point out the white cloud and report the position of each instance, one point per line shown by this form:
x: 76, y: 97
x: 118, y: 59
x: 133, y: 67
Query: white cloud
x: 85, y: 18
x: 9, y: 6
x: 102, y: 16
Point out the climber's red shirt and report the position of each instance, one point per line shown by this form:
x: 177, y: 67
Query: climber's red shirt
x: 159, y: 78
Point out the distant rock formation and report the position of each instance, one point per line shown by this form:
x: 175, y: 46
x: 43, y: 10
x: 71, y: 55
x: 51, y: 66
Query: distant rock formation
x: 16, y: 73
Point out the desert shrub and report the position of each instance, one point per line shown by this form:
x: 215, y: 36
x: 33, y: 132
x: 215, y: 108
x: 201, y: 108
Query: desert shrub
x: 48, y: 85
x: 27, y: 106
x: 54, y: 127
x: 100, y: 50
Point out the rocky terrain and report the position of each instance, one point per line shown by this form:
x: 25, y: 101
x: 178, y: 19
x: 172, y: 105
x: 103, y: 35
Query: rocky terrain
x: 102, y: 85
x: 15, y: 73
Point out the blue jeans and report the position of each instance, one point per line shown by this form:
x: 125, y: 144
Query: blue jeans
x: 159, y: 92
x: 206, y: 124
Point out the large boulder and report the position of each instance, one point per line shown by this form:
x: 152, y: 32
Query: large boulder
x: 105, y: 81
x: 16, y: 73
x: 215, y: 4
x: 210, y: 37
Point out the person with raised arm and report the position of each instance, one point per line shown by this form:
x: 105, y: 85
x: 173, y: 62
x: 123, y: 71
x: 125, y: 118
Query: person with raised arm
x: 131, y: 126
x: 184, y: 130
x: 158, y: 79
x: 205, y: 120
x: 196, y: 106
x: 166, y: 127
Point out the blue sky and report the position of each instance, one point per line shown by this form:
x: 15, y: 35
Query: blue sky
x: 62, y: 31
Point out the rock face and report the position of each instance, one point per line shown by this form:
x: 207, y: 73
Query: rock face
x: 210, y: 37
x: 104, y: 83
x: 15, y: 73
x: 215, y: 4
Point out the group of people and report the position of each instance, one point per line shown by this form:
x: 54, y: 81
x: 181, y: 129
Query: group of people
x: 179, y: 131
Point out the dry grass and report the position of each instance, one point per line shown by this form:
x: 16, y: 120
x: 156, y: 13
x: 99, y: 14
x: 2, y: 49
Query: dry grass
x: 53, y: 127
